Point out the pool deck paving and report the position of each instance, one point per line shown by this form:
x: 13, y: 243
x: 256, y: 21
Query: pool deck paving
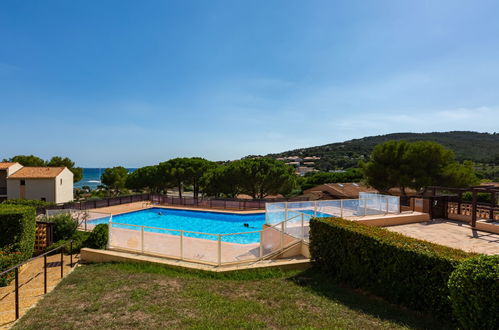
x: 455, y: 234
x: 136, y: 206
x: 31, y: 286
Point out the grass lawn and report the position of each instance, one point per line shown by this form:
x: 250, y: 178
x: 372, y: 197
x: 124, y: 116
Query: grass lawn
x: 131, y: 296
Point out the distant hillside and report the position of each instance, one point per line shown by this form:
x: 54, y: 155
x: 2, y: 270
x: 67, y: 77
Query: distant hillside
x: 478, y: 147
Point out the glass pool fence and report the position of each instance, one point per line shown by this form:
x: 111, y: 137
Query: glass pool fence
x: 368, y: 204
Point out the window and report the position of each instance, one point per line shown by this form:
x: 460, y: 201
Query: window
x: 61, y: 182
x: 23, y: 182
x: 43, y: 199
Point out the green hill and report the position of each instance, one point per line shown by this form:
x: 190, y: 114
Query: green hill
x: 474, y: 146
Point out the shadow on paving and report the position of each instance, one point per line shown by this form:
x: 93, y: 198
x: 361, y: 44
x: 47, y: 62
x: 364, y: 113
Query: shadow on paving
x: 363, y: 302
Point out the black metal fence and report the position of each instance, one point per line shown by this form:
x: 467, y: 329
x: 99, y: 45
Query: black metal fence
x: 15, y: 269
x: 234, y: 204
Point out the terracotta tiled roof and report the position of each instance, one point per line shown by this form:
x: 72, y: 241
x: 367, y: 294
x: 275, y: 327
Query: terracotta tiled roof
x: 37, y: 173
x: 6, y: 165
x: 341, y: 190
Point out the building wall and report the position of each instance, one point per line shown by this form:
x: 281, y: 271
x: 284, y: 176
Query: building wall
x: 35, y: 189
x: 64, y: 187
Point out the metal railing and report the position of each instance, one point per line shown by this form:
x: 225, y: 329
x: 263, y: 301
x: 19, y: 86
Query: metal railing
x: 15, y: 269
x: 272, y: 239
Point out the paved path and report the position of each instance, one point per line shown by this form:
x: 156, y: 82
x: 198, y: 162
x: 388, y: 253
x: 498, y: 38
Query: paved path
x: 454, y: 234
x: 31, y: 286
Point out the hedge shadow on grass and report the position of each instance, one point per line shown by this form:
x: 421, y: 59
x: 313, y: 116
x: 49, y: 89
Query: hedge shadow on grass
x: 363, y: 302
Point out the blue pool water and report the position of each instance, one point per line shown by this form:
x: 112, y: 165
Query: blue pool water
x: 317, y: 214
x: 198, y: 221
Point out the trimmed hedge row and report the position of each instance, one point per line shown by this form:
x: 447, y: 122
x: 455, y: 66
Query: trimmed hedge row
x: 474, y: 293
x: 17, y: 236
x: 405, y: 271
x: 17, y: 228
x: 29, y: 202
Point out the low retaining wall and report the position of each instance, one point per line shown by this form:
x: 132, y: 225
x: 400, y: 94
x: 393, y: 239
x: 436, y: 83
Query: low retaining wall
x: 98, y: 256
x: 401, y: 219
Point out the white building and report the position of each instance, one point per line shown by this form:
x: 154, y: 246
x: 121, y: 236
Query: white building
x: 51, y: 184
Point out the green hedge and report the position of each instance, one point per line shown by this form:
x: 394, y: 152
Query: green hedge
x: 29, y: 202
x: 17, y: 236
x: 474, y: 293
x: 17, y: 228
x: 401, y: 269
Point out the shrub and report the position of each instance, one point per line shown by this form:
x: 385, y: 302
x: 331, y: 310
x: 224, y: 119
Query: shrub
x: 17, y: 228
x: 64, y: 226
x: 474, y: 293
x: 8, y: 258
x: 98, y: 237
x: 401, y: 269
x: 17, y: 236
x: 29, y: 202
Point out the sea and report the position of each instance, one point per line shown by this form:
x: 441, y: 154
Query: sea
x: 91, y: 177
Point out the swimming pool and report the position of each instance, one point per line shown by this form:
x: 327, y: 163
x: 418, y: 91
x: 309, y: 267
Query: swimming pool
x: 197, y: 221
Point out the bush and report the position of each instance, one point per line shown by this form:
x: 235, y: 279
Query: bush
x: 17, y: 236
x: 29, y: 202
x: 98, y: 237
x: 17, y: 228
x: 79, y: 241
x: 8, y: 258
x: 474, y: 293
x: 64, y: 226
x: 401, y: 269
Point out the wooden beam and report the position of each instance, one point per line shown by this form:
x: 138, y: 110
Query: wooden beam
x: 473, y: 208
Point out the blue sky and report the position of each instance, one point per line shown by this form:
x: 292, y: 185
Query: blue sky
x: 137, y: 82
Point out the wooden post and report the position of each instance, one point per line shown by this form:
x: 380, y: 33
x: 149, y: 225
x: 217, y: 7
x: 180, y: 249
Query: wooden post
x: 492, y: 204
x: 473, y: 208
x: 460, y: 196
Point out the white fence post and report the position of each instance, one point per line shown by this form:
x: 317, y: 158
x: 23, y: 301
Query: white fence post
x: 282, y: 235
x: 142, y: 238
x: 261, y: 245
x: 341, y: 208
x: 286, y: 212
x: 110, y: 229
x: 315, y: 209
x: 181, y: 245
x: 365, y: 207
x: 219, y: 249
x: 386, y: 205
x: 302, y: 227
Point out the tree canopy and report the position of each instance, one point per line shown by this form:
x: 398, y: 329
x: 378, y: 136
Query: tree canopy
x: 415, y: 165
x: 179, y: 172
x: 56, y: 161
x: 27, y: 160
x: 144, y: 178
x: 115, y: 177
x: 261, y: 177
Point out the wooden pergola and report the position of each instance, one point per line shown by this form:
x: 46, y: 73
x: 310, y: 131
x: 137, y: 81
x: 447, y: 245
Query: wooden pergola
x: 493, y: 190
